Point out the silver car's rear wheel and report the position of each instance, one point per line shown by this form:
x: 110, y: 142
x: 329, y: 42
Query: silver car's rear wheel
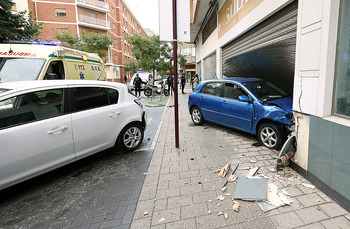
x: 131, y: 137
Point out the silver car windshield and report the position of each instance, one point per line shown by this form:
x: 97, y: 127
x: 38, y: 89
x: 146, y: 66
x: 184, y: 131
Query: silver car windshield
x: 265, y: 91
x: 19, y: 69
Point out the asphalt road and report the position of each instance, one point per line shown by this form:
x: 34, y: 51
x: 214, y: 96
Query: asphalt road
x: 100, y: 191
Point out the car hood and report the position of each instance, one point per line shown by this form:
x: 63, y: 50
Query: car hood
x: 285, y: 103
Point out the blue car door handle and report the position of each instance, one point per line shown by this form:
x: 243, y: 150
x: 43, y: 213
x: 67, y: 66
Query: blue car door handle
x: 223, y: 101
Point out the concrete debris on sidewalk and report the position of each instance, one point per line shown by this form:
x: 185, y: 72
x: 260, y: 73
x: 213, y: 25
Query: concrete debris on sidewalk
x: 275, y: 198
x: 251, y: 189
x: 225, y: 170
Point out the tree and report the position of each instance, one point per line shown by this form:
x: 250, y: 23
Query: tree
x: 17, y: 25
x: 150, y: 54
x: 87, y: 42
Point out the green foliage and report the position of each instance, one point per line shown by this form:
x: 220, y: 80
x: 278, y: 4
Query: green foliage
x: 88, y: 42
x: 17, y: 25
x: 182, y: 61
x: 150, y: 53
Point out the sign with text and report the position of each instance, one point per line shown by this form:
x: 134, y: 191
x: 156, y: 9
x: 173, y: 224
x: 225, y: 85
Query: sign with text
x: 233, y: 11
x: 166, y: 20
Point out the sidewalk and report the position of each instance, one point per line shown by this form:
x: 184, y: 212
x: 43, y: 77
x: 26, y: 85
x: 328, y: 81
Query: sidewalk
x: 181, y: 187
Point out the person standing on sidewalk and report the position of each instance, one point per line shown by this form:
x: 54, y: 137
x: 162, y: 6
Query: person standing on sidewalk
x: 183, y: 83
x: 137, y: 83
x: 195, y: 81
x: 170, y: 82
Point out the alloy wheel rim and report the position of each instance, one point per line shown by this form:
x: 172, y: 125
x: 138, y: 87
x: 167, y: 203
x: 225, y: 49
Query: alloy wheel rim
x: 196, y: 115
x: 268, y: 137
x: 132, y: 137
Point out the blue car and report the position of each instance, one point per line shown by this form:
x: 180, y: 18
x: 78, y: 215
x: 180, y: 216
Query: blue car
x: 248, y: 104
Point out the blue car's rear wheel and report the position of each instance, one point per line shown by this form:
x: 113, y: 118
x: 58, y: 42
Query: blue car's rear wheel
x: 197, y: 116
x: 271, y: 135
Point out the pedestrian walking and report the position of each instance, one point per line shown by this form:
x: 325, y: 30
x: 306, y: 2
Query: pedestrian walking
x: 183, y: 83
x: 195, y: 81
x: 137, y: 84
x: 125, y: 79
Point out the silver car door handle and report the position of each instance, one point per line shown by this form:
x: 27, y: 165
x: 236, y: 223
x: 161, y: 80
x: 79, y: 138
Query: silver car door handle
x: 57, y: 130
x: 114, y: 114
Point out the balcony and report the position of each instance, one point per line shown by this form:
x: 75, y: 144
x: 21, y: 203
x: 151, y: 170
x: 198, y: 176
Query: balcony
x: 94, y: 5
x: 93, y: 22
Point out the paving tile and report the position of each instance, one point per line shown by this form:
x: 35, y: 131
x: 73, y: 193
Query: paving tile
x: 287, y: 220
x: 312, y: 226
x: 194, y: 211
x: 141, y: 223
x: 310, y: 200
x: 210, y: 221
x: 339, y: 222
x: 332, y: 209
x: 179, y: 201
x: 187, y: 223
x: 311, y: 215
x: 258, y: 223
x: 166, y: 216
x: 111, y: 223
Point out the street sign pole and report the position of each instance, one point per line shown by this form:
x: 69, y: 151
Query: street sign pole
x: 175, y: 86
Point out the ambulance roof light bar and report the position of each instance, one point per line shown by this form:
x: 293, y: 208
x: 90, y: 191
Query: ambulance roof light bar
x: 52, y: 43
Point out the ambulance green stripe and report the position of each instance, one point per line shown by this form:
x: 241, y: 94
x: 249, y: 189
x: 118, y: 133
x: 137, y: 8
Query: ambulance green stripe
x: 76, y: 58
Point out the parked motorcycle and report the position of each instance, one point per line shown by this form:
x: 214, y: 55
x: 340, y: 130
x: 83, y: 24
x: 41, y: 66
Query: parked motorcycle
x: 150, y: 89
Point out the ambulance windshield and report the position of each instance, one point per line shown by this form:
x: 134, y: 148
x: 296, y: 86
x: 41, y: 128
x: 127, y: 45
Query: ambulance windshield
x: 20, y: 69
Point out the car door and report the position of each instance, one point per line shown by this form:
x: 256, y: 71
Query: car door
x: 209, y: 101
x: 98, y: 117
x: 35, y: 134
x: 235, y: 113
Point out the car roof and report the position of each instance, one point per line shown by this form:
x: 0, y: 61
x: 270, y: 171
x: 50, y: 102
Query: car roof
x: 237, y: 79
x: 23, y: 85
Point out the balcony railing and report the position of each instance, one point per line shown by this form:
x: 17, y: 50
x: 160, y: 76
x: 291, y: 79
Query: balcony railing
x: 94, y: 4
x: 94, y: 22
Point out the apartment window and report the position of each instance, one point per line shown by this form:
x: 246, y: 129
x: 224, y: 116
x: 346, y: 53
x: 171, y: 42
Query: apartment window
x: 342, y: 91
x: 115, y: 59
x: 113, y: 26
x: 61, y: 12
x: 112, y: 10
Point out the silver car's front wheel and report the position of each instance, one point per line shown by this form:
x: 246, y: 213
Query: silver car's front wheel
x: 271, y: 135
x: 130, y: 138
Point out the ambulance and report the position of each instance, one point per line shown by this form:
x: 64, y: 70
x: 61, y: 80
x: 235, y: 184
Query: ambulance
x: 46, y: 61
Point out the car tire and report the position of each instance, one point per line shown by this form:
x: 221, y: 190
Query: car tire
x: 197, y: 116
x: 271, y: 135
x: 147, y: 92
x: 130, y: 138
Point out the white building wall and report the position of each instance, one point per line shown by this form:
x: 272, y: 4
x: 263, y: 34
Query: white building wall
x: 314, y: 67
x: 21, y: 5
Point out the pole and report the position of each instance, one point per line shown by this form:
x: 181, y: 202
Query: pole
x: 175, y: 76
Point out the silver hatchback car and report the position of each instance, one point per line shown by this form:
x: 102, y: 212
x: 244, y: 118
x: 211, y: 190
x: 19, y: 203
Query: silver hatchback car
x: 47, y: 124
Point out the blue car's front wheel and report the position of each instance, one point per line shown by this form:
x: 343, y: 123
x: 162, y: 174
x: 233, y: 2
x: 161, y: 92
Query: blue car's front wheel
x: 197, y: 116
x: 271, y: 135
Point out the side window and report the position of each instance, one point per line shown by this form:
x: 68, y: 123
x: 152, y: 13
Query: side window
x: 233, y: 91
x: 55, y: 71
x: 113, y: 96
x: 212, y: 88
x: 90, y: 97
x: 31, y: 107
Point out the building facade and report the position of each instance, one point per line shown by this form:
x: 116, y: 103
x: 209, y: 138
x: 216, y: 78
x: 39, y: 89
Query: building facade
x: 301, y: 46
x: 85, y: 16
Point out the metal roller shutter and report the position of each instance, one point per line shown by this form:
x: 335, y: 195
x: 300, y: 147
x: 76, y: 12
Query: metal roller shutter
x: 266, y: 51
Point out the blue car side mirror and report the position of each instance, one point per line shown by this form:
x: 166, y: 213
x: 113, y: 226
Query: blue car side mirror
x: 243, y: 98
